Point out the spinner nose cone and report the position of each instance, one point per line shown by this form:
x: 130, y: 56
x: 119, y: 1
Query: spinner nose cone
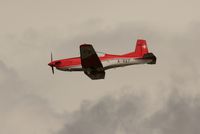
x: 51, y: 64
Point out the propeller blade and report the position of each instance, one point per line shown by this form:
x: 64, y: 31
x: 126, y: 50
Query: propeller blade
x: 52, y: 69
x: 51, y: 56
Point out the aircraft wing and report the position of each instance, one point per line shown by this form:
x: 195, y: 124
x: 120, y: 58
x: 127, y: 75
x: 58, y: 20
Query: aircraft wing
x: 91, y: 63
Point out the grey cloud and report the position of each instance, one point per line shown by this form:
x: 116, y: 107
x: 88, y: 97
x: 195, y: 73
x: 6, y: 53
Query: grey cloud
x: 100, y: 118
x: 121, y: 37
x: 9, y: 84
x: 180, y: 115
x: 22, y: 111
x: 130, y: 114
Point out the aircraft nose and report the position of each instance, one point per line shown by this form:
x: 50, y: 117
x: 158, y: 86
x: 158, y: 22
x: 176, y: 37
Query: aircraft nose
x: 54, y: 63
x: 50, y: 64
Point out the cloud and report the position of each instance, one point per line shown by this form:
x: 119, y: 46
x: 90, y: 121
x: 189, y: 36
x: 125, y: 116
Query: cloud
x: 20, y: 110
x: 132, y: 113
x: 180, y: 115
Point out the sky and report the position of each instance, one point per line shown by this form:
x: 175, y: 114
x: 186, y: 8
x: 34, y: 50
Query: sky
x: 157, y: 99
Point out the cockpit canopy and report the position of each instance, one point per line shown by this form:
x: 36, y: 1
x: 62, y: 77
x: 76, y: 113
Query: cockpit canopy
x: 100, y: 54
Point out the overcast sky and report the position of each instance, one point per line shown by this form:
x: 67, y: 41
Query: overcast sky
x: 158, y: 99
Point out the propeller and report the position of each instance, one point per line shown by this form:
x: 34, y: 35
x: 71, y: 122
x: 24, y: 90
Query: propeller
x: 52, y: 65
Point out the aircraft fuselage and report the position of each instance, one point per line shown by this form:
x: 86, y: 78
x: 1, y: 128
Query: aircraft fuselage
x: 108, y: 63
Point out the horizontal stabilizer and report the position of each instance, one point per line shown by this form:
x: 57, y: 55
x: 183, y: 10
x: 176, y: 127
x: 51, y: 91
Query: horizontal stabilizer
x: 150, y: 56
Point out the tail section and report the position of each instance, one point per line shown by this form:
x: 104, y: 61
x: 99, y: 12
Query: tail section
x: 142, y: 52
x: 141, y: 47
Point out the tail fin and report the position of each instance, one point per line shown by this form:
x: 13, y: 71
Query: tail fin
x: 141, y: 47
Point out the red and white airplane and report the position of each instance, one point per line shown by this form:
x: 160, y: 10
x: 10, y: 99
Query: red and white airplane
x: 94, y: 66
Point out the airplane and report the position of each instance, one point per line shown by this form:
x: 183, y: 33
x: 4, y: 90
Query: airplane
x: 94, y: 66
